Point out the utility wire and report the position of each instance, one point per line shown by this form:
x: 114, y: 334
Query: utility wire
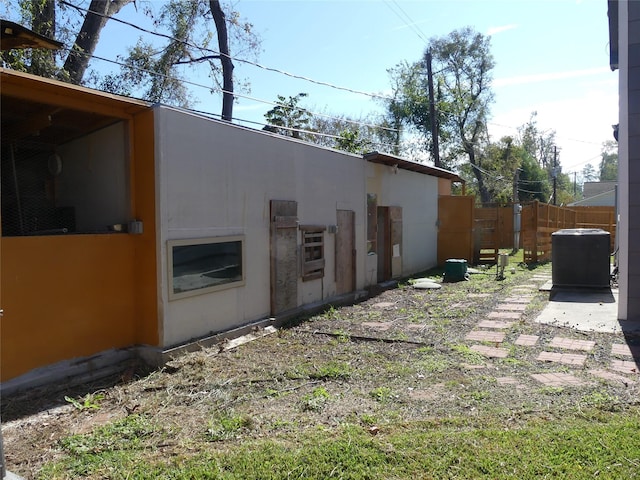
x: 410, y: 24
x: 235, y: 94
x: 406, y: 19
x: 215, y: 52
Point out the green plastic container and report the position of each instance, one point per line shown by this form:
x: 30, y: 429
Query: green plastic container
x: 455, y: 269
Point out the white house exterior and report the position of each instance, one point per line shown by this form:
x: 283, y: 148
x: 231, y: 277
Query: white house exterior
x: 217, y: 181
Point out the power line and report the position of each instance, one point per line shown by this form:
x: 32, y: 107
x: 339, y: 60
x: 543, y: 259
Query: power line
x: 215, y: 52
x: 235, y: 94
x: 406, y: 19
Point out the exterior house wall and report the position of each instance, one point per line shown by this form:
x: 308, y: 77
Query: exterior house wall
x: 217, y: 179
x: 417, y: 194
x: 628, y: 25
x: 633, y: 157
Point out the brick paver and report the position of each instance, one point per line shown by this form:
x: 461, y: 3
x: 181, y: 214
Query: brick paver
x: 382, y: 326
x: 492, y: 352
x: 612, y: 377
x: 624, y: 366
x: 479, y: 295
x: 572, y: 344
x: 558, y: 379
x: 507, y: 381
x: 507, y: 315
x: 522, y: 299
x: 485, y: 336
x: 527, y: 340
x: 624, y: 349
x: 494, y: 324
x: 383, y: 305
x: 513, y: 307
x: 566, y: 358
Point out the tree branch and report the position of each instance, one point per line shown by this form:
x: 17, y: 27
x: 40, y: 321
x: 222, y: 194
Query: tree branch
x: 196, y: 60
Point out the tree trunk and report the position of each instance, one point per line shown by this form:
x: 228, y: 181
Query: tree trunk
x: 43, y: 22
x: 88, y: 36
x: 225, y: 60
x: 485, y: 196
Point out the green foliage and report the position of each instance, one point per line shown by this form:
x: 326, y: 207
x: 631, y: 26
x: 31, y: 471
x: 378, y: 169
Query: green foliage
x: 91, y: 401
x: 381, y: 394
x: 316, y: 400
x: 609, y: 162
x: 350, y: 141
x: 589, y: 173
x: 227, y: 427
x: 288, y: 117
x: 331, y: 371
x: 533, y: 183
x: 125, y: 434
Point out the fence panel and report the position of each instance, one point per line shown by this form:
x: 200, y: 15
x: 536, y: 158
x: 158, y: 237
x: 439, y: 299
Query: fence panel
x: 540, y: 220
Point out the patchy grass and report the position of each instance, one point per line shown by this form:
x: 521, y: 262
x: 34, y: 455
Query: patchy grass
x: 387, y: 388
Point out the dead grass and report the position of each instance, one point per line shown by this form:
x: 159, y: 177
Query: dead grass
x: 400, y: 356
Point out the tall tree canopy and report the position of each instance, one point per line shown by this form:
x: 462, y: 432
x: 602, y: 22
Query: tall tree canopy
x: 151, y: 70
x: 462, y: 65
x: 609, y: 162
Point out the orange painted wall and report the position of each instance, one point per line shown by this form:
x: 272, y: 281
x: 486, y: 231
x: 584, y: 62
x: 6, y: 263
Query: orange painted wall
x: 144, y: 208
x: 73, y: 296
x: 65, y: 297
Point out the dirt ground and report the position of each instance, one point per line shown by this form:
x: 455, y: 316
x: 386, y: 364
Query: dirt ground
x: 401, y: 355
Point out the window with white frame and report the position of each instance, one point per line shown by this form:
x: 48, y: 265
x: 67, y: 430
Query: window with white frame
x: 205, y: 265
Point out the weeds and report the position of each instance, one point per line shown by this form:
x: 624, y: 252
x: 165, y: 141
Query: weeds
x: 227, y: 427
x: 91, y: 401
x: 316, y: 400
x: 381, y: 394
x: 332, y: 371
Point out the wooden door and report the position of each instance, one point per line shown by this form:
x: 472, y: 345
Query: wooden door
x: 383, y: 239
x: 284, y: 255
x: 455, y: 228
x: 395, y: 234
x: 389, y: 243
x: 345, y: 252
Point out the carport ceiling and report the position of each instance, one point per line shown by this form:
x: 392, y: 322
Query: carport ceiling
x: 43, y: 126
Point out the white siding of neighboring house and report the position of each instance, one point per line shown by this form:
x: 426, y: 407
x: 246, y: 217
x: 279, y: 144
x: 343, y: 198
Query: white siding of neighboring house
x: 417, y: 194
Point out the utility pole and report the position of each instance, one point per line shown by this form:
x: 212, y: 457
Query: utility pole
x: 555, y: 173
x: 432, y: 113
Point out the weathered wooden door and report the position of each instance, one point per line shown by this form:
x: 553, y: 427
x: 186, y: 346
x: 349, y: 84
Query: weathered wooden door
x: 389, y: 243
x: 284, y: 255
x: 395, y: 229
x: 455, y: 228
x: 345, y: 252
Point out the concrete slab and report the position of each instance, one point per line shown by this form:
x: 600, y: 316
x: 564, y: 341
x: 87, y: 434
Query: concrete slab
x: 586, y: 310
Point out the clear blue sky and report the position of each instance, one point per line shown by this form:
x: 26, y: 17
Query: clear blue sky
x: 551, y: 57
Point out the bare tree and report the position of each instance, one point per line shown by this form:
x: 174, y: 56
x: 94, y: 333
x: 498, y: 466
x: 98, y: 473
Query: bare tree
x: 87, y: 39
x: 225, y: 59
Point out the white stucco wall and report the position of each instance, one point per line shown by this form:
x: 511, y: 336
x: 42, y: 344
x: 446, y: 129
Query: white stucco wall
x: 216, y: 179
x: 417, y: 194
x: 95, y: 178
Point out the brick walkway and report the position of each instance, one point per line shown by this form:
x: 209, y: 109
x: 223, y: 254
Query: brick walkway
x: 559, y: 350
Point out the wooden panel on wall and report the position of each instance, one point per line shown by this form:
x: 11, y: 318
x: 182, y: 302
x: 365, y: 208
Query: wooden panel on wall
x: 455, y: 228
x: 395, y: 219
x: 284, y: 255
x: 345, y: 252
